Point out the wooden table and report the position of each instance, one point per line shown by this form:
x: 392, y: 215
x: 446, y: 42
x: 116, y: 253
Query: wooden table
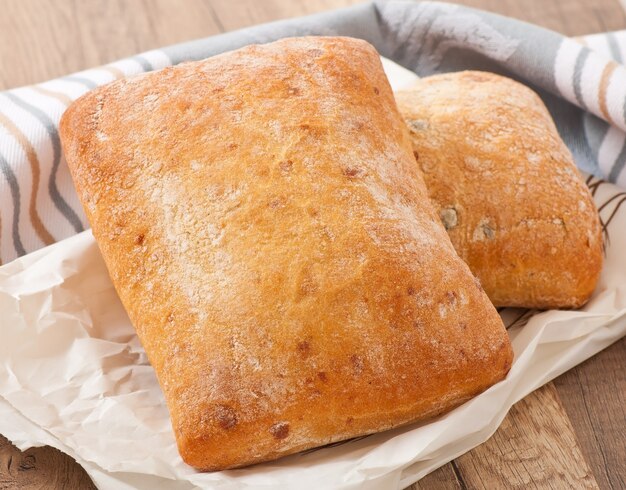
x: 569, y: 434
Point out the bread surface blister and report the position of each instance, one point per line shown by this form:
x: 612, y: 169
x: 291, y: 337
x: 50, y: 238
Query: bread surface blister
x: 268, y: 231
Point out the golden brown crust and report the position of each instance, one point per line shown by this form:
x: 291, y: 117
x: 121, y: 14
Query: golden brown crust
x: 505, y: 185
x: 265, y: 225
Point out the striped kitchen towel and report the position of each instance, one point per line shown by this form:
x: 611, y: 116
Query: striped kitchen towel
x: 582, y: 82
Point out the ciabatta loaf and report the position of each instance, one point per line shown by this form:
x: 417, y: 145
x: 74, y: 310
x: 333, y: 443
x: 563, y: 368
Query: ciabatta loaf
x: 506, y: 188
x: 267, y: 229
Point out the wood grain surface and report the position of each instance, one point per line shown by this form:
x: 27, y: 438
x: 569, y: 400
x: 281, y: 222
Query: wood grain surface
x: 569, y: 434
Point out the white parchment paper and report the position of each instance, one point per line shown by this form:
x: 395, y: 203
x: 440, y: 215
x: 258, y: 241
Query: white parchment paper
x: 74, y: 375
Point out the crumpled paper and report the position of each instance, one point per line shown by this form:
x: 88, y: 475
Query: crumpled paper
x: 74, y: 375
